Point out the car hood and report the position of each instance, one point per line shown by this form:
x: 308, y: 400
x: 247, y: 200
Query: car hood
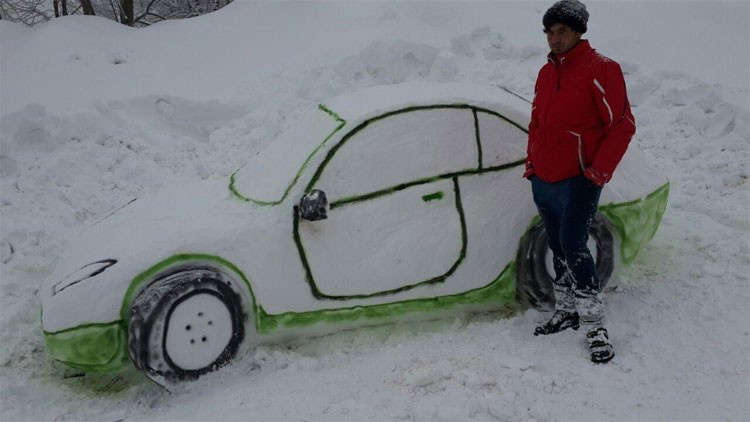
x: 96, y: 269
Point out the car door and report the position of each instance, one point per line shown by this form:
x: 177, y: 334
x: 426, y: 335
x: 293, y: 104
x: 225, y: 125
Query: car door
x: 395, y: 220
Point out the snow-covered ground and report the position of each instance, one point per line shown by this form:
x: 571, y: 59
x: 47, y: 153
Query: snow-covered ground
x: 94, y: 114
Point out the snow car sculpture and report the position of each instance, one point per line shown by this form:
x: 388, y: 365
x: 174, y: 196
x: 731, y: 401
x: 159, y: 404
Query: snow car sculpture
x: 397, y: 202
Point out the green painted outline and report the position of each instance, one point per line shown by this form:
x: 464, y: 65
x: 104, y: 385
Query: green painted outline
x: 90, y: 347
x: 65, y: 345
x: 439, y: 279
x: 348, y: 200
x: 392, y: 189
x: 480, y: 169
x: 502, y: 290
x: 476, y: 134
x: 366, y: 123
x: 437, y: 196
x: 232, y: 179
x: 102, y: 347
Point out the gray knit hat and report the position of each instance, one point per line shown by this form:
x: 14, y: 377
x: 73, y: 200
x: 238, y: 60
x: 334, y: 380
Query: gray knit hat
x: 572, y: 13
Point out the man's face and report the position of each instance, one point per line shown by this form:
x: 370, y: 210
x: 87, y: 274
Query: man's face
x: 561, y: 38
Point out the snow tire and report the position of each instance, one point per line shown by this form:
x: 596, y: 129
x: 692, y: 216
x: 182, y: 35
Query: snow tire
x: 533, y: 280
x: 196, y: 295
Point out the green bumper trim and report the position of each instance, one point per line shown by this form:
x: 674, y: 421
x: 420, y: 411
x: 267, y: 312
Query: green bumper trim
x: 636, y: 221
x: 500, y: 291
x: 90, y: 348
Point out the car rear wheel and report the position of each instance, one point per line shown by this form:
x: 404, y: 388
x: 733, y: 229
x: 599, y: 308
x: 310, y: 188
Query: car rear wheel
x: 185, y: 324
x: 535, y: 272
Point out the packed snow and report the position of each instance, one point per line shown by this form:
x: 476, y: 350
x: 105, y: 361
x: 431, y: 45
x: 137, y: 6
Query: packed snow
x: 94, y: 114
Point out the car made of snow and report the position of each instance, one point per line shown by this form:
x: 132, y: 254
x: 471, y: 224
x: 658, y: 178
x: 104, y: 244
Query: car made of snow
x: 398, y: 202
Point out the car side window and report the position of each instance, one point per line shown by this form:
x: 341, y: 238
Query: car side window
x: 401, y: 148
x: 502, y: 141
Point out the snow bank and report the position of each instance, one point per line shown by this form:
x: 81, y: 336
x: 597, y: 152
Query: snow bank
x: 107, y: 114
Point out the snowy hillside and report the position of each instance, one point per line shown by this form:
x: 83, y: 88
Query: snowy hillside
x: 94, y: 114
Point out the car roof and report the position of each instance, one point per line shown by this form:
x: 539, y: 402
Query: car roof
x: 389, y: 98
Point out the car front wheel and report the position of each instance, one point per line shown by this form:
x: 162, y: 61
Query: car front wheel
x: 535, y: 273
x: 185, y: 324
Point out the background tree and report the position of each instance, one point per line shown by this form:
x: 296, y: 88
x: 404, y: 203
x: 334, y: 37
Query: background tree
x: 88, y: 8
x: 128, y: 12
x: 29, y: 12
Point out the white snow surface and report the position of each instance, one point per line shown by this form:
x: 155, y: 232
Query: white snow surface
x: 94, y: 114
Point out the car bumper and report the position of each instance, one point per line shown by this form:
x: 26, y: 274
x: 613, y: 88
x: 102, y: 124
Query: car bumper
x: 636, y: 221
x: 91, y: 348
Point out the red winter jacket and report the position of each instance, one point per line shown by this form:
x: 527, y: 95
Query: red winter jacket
x: 580, y: 119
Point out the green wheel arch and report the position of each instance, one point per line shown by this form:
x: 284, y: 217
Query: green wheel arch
x: 150, y: 274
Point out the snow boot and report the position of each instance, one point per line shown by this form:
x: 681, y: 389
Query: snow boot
x: 600, y: 346
x: 560, y: 321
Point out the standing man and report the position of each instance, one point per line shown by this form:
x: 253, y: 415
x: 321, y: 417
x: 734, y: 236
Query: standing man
x: 580, y: 128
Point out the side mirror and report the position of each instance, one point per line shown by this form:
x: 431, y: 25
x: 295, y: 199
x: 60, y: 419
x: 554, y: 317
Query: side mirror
x: 314, y: 206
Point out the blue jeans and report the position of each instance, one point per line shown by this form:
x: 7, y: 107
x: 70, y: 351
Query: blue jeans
x: 567, y: 209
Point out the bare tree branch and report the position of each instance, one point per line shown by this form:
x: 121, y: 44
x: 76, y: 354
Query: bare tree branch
x: 28, y: 12
x: 128, y: 12
x: 146, y: 13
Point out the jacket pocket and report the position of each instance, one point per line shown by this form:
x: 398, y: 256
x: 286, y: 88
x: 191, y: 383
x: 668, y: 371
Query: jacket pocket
x: 579, y: 150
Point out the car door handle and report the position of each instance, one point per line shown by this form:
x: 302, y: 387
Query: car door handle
x: 435, y: 196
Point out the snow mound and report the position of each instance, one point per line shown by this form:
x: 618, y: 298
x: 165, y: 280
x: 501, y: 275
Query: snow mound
x: 109, y: 114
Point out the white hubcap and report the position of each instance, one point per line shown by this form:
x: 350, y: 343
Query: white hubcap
x: 548, y: 257
x: 198, y: 331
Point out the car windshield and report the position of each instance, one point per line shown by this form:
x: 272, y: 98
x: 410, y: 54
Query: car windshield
x: 268, y: 176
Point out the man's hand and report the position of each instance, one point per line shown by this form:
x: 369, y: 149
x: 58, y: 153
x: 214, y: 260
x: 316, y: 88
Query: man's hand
x: 596, y: 177
x: 529, y: 170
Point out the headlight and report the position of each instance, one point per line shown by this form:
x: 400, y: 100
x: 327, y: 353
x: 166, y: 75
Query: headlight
x: 86, y: 272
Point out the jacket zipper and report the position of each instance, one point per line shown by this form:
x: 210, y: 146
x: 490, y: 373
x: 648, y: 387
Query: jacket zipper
x: 558, y: 68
